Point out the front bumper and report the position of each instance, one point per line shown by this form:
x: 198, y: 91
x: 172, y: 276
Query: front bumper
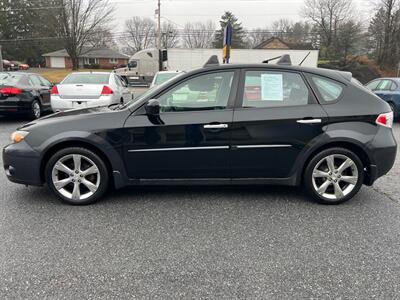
x: 22, y: 164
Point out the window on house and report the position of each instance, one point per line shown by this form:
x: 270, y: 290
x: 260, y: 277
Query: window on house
x: 113, y: 60
x: 91, y: 61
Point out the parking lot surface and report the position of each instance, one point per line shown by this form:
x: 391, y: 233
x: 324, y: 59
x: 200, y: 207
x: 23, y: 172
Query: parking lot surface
x: 199, y: 242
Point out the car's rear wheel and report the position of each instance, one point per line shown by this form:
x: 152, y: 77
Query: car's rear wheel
x: 36, y: 110
x: 334, y: 176
x: 77, y: 175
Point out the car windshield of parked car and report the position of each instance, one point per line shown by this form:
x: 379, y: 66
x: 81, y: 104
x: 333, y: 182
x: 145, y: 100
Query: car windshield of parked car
x: 87, y: 79
x: 163, y: 77
x: 9, y: 79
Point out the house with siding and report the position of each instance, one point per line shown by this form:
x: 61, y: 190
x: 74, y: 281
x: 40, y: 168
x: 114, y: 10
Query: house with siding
x: 90, y: 58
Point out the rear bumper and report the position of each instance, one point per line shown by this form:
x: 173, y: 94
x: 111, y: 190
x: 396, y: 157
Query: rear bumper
x: 14, y: 105
x: 59, y: 104
x: 22, y: 164
x: 383, y: 155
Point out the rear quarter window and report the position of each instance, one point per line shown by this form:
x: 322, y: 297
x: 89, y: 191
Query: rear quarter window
x: 329, y: 90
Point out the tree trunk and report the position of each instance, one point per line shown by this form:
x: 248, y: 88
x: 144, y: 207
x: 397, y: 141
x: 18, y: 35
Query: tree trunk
x: 75, y: 63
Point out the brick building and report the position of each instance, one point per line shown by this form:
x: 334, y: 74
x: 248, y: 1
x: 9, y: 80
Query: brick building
x: 93, y: 58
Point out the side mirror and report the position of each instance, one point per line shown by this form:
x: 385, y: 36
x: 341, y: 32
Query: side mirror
x: 153, y: 108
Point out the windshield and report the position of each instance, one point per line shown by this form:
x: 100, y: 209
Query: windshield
x: 9, y: 79
x: 87, y: 79
x: 163, y: 77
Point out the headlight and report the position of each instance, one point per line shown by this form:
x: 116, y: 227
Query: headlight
x: 18, y: 136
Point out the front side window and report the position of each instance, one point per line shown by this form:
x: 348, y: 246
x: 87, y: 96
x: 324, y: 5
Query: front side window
x: 274, y: 89
x: 328, y: 89
x: 373, y: 85
x: 205, y: 92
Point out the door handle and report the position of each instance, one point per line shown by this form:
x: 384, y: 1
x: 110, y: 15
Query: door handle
x: 309, y: 121
x: 216, y: 126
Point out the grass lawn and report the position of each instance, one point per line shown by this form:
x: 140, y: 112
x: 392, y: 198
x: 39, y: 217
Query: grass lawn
x: 57, y: 75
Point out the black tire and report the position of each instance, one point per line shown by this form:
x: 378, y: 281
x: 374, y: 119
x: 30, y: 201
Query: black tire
x: 34, y: 113
x: 309, y: 181
x: 86, y: 154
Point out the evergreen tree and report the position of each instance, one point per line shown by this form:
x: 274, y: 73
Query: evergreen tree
x: 238, y: 40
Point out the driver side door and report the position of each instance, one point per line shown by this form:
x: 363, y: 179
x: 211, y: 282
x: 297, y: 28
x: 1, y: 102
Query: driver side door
x: 191, y: 137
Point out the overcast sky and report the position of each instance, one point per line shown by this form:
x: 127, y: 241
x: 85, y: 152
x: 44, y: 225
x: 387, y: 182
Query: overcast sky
x: 252, y: 13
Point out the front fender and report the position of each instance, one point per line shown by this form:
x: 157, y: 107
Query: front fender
x: 95, y: 141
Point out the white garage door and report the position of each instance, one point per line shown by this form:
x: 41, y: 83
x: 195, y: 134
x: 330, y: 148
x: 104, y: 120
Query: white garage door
x: 57, y: 62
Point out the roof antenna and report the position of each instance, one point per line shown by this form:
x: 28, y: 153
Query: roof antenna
x: 212, y: 61
x: 271, y: 59
x: 305, y: 58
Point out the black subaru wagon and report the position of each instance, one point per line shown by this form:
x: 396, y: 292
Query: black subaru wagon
x: 232, y: 124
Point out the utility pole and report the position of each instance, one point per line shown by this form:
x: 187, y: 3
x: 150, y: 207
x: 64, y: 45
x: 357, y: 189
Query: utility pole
x: 159, y: 25
x: 1, y: 60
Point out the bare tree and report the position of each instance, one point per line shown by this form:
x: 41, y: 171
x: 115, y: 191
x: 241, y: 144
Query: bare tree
x: 257, y: 36
x: 103, y: 38
x: 281, y: 27
x: 80, y: 20
x: 198, y: 35
x: 327, y: 16
x: 170, y: 35
x: 139, y: 33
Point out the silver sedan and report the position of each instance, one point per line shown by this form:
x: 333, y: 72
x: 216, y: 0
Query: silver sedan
x: 89, y: 89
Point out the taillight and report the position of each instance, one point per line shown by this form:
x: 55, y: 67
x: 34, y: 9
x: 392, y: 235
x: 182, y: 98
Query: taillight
x: 10, y: 91
x: 54, y: 91
x: 107, y: 91
x: 385, y: 120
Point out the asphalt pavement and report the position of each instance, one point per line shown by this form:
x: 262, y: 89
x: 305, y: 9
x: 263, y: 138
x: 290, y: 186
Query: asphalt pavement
x: 199, y: 242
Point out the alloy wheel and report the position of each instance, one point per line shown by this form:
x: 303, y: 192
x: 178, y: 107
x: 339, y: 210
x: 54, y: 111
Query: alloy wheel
x: 335, y: 177
x: 36, y: 109
x: 76, y: 177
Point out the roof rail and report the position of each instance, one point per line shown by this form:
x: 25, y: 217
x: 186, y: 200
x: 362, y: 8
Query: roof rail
x: 212, y: 62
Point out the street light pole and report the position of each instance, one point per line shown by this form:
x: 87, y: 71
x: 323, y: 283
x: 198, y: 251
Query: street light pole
x: 1, y: 60
x: 159, y: 26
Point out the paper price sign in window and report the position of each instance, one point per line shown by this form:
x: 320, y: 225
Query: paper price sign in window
x: 272, y: 87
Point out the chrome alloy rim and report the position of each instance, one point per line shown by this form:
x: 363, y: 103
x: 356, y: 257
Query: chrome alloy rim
x: 76, y: 177
x: 335, y: 177
x: 36, y: 110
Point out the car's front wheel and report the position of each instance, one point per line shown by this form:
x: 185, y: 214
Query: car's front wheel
x: 334, y: 176
x: 77, y: 175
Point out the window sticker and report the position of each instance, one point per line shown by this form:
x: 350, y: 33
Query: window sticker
x: 272, y: 87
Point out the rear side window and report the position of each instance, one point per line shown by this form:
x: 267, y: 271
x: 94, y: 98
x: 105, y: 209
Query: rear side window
x: 328, y: 89
x: 274, y: 89
x: 87, y: 79
x: 387, y: 85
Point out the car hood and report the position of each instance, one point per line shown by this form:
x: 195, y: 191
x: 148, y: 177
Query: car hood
x: 74, y: 116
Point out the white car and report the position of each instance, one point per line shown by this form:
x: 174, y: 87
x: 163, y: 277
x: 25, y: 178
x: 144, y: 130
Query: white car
x: 89, y: 89
x: 164, y: 76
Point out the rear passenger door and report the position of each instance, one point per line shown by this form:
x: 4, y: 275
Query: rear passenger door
x: 41, y: 88
x: 276, y: 117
